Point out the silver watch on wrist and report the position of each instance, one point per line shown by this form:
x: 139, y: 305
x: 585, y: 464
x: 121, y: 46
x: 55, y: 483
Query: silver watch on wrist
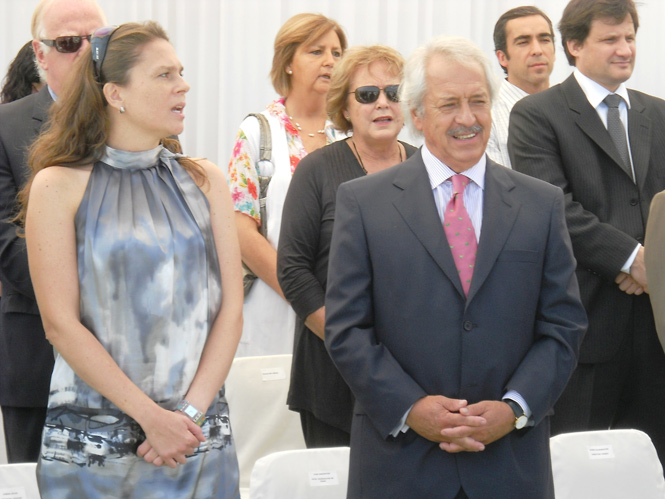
x: 191, y: 412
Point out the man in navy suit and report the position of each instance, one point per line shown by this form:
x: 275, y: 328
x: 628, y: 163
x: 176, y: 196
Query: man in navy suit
x: 454, y: 377
x: 26, y: 358
x: 609, y: 168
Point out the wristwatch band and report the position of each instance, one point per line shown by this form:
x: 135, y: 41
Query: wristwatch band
x: 520, y: 418
x: 191, y: 412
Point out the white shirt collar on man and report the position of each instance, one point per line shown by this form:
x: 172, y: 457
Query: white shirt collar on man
x: 596, y: 93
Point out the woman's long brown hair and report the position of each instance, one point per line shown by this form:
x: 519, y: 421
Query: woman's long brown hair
x: 79, y: 124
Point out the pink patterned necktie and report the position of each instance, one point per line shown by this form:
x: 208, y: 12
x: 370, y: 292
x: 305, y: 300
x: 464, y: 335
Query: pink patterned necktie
x: 459, y: 231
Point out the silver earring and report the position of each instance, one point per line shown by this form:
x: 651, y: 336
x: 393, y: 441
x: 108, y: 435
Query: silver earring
x: 122, y: 109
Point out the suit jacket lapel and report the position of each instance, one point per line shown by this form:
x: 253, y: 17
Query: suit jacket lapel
x: 589, y: 121
x: 415, y: 203
x: 499, y: 214
x: 42, y: 103
x: 639, y: 134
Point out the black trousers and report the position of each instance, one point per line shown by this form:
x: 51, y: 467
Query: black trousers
x: 23, y: 432
x: 319, y: 434
x: 626, y: 392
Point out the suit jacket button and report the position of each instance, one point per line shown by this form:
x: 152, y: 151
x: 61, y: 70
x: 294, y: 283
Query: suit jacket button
x: 633, y: 202
x: 468, y: 325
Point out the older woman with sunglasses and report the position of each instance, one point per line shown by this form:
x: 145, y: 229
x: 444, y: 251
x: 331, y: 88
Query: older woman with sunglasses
x: 307, y: 48
x: 135, y: 263
x: 363, y: 99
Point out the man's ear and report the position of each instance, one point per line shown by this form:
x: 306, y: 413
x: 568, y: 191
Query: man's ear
x: 417, y: 120
x: 114, y: 95
x: 503, y: 58
x: 38, y: 48
x: 574, y: 47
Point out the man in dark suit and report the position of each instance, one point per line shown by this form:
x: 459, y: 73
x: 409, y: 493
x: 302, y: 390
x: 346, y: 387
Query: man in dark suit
x: 26, y: 358
x: 455, y: 358
x: 603, y: 145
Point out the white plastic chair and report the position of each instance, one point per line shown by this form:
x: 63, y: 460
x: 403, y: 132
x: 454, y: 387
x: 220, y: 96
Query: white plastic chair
x: 301, y: 474
x: 261, y: 422
x: 3, y: 443
x: 605, y: 465
x: 19, y: 480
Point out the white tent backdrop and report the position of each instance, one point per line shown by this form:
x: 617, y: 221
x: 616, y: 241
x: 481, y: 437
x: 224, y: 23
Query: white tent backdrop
x: 226, y: 45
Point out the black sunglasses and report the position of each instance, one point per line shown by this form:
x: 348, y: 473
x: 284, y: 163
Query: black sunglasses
x: 98, y: 45
x: 370, y: 93
x: 66, y: 44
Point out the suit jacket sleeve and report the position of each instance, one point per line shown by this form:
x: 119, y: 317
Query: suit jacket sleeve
x: 383, y: 390
x: 535, y: 147
x: 13, y: 253
x: 559, y: 326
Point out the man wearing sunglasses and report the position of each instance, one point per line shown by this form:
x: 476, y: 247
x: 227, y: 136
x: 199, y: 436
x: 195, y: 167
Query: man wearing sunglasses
x: 60, y: 31
x: 452, y: 307
x: 524, y: 45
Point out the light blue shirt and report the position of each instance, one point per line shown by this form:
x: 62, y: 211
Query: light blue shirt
x: 53, y: 96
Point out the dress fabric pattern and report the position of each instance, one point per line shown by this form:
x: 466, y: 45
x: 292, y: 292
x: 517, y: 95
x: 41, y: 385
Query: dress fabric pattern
x: 150, y: 289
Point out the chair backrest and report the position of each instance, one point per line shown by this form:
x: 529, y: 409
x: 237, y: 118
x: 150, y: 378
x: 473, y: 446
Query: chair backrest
x: 19, y: 480
x: 606, y: 464
x: 305, y: 473
x: 261, y: 422
x: 3, y: 443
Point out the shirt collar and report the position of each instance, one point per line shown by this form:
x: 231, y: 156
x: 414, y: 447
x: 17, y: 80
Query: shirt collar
x: 439, y: 172
x: 512, y: 89
x: 53, y: 96
x: 596, y: 93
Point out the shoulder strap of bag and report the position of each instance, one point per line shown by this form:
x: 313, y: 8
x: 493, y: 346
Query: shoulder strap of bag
x: 265, y: 144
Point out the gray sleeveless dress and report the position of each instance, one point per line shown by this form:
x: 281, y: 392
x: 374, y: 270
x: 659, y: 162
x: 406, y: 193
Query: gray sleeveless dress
x: 150, y: 290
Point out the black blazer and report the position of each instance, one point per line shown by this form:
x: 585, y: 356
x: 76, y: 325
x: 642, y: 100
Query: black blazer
x: 399, y: 327
x: 557, y: 136
x: 26, y: 358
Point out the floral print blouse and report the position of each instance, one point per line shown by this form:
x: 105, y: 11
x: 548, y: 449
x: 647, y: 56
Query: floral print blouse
x: 243, y: 171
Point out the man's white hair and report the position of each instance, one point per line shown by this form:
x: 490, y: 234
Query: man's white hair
x: 414, y: 83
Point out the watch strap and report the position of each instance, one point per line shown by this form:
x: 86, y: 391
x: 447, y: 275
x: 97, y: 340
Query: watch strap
x: 520, y: 417
x: 191, y: 412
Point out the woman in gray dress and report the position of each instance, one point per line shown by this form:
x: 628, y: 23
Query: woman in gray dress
x: 136, y: 268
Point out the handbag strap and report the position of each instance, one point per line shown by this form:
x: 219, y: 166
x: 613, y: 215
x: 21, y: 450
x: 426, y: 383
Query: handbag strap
x: 265, y: 141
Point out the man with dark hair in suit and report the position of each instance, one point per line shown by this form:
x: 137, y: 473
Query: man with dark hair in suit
x: 603, y: 145
x: 452, y: 308
x: 59, y: 29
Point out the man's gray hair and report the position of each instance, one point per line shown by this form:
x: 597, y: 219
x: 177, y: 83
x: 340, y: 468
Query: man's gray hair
x: 414, y: 83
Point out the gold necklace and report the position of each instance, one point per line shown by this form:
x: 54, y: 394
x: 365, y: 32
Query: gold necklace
x: 360, y: 160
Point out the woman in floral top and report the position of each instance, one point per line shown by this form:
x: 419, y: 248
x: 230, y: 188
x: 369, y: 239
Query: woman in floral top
x: 307, y: 48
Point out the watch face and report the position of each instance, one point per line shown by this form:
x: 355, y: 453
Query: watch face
x: 521, y: 422
x: 191, y: 411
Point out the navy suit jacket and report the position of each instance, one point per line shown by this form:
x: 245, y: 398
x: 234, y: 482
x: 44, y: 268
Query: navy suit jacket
x: 26, y: 358
x: 398, y: 327
x: 557, y: 136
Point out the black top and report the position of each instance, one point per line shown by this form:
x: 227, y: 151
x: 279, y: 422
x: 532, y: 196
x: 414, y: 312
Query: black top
x: 302, y: 268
